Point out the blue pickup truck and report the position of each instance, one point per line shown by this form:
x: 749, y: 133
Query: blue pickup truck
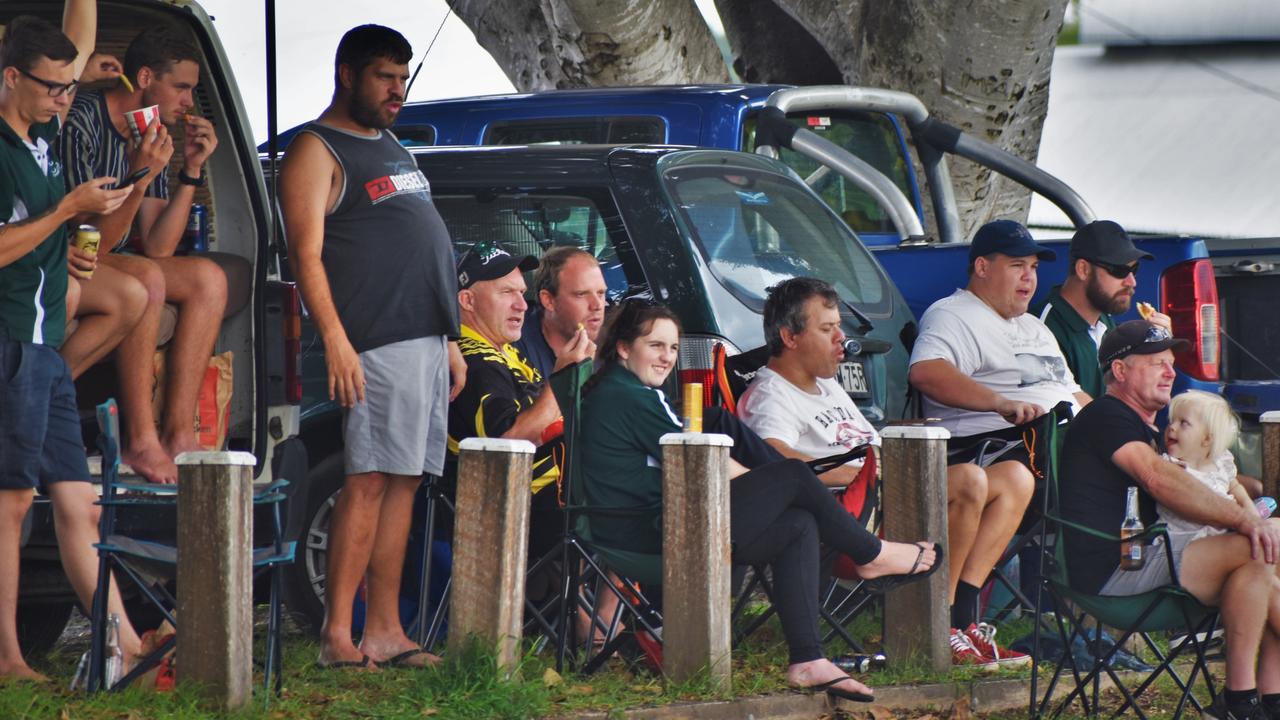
x: 859, y: 149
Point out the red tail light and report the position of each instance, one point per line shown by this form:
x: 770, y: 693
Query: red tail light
x: 696, y: 364
x: 292, y: 333
x: 1190, y: 296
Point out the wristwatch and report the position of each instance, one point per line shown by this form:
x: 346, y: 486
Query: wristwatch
x: 186, y: 179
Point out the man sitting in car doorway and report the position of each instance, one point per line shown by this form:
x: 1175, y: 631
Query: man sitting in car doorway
x: 984, y: 366
x: 163, y: 69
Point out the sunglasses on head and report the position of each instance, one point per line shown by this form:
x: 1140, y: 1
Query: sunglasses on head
x: 1118, y: 272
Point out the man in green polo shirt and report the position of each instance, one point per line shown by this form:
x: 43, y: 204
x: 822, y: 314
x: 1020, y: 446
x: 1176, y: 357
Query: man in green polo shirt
x: 40, y: 444
x: 1099, y: 285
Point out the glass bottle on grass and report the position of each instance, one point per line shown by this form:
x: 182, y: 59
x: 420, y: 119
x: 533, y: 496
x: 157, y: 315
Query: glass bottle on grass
x: 1132, y: 555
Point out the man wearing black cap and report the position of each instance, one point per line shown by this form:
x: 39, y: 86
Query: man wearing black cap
x: 505, y: 395
x: 1099, y: 285
x: 984, y: 366
x: 1113, y: 444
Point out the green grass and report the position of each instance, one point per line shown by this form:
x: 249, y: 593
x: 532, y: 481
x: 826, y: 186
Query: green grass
x: 466, y: 685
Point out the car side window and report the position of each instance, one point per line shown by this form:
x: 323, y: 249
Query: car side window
x: 531, y: 223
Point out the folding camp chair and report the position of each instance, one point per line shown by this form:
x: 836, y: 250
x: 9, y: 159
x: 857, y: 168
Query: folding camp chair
x: 1168, y: 608
x: 151, y: 564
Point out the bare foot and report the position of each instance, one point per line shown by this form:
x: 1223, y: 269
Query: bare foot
x: 896, y: 558
x: 817, y: 672
x: 151, y: 462
x: 348, y: 657
x: 20, y: 672
x: 178, y: 444
x: 400, y: 654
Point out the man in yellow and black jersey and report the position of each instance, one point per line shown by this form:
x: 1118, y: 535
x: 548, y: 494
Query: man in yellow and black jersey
x: 505, y: 396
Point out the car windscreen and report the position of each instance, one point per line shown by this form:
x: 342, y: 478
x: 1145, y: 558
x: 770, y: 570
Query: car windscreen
x: 871, y: 137
x: 531, y: 223
x: 756, y: 229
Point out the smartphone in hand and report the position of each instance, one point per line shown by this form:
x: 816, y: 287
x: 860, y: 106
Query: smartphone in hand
x: 135, y: 177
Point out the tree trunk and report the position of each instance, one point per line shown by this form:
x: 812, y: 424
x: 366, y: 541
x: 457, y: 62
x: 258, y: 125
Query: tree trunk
x: 982, y: 66
x: 547, y: 44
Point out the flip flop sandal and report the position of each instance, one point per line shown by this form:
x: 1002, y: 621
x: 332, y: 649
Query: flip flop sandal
x: 885, y: 583
x: 365, y: 662
x: 832, y: 691
x: 402, y: 660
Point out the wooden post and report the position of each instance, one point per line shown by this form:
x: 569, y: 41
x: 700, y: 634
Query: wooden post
x: 1271, y: 453
x: 215, y: 575
x: 490, y: 541
x: 917, y: 618
x: 695, y: 557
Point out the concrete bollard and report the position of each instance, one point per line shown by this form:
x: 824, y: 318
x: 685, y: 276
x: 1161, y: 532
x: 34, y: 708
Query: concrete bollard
x: 696, y: 557
x: 490, y: 541
x: 917, y: 619
x: 215, y: 575
x: 1271, y: 453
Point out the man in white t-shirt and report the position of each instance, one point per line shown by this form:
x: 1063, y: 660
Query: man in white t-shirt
x: 983, y: 366
x: 796, y: 405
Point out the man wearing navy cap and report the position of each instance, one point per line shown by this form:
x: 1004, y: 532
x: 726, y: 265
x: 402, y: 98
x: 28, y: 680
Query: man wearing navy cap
x: 984, y: 366
x: 505, y: 395
x: 1100, y: 284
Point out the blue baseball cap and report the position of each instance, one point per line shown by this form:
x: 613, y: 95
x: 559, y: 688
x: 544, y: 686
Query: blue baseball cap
x: 1007, y: 237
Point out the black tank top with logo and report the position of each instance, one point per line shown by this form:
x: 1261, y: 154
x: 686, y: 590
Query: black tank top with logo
x: 386, y: 252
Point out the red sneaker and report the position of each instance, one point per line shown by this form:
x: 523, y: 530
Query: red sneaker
x: 983, y: 637
x: 963, y: 653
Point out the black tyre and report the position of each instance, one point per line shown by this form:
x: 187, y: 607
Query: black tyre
x: 40, y: 624
x: 304, y: 579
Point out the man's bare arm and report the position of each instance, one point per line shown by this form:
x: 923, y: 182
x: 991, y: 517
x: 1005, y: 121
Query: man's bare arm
x: 19, y: 238
x: 534, y: 419
x: 836, y: 477
x: 162, y: 222
x: 308, y: 177
x: 942, y: 382
x: 80, y: 24
x: 1177, y: 490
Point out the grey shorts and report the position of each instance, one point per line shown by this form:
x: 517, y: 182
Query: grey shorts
x: 402, y: 425
x: 1153, y: 573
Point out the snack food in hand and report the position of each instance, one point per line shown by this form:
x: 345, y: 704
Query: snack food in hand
x: 1145, y: 310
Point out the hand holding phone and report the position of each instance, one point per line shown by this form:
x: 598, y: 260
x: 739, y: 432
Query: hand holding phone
x: 135, y: 177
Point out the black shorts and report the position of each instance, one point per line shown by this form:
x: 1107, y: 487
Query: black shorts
x: 986, y: 449
x: 40, y: 440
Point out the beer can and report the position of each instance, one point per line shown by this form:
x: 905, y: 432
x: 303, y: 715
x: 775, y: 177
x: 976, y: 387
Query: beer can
x: 87, y: 239
x: 693, y: 407
x: 196, y: 237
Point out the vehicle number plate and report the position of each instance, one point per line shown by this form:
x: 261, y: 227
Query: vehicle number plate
x: 853, y: 379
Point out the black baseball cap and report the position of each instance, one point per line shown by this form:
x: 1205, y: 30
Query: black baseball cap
x: 487, y: 261
x: 1136, y: 337
x: 1107, y: 243
x: 1007, y: 237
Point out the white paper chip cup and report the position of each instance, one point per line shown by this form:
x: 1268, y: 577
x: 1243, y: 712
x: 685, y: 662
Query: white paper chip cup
x: 139, y: 120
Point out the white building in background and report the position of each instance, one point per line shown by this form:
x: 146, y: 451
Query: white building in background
x: 1165, y: 119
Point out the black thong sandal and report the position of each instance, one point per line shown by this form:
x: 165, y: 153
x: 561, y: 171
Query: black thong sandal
x: 830, y: 687
x: 402, y: 659
x: 364, y: 663
x: 885, y: 583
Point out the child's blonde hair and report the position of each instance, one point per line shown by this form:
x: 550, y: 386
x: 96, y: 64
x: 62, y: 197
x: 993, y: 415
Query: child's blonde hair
x: 1220, y: 422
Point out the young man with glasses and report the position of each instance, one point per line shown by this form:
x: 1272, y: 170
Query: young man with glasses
x: 40, y: 442
x: 1100, y: 284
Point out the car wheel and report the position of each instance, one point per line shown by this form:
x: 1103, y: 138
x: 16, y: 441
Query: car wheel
x: 40, y: 624
x: 305, y: 578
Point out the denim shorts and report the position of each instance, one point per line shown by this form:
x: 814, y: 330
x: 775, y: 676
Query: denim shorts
x: 40, y: 440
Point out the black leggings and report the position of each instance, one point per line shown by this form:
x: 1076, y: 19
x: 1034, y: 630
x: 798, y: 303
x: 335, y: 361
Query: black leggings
x: 779, y: 512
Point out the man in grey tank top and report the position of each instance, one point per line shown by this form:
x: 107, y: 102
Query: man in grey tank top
x: 375, y: 266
